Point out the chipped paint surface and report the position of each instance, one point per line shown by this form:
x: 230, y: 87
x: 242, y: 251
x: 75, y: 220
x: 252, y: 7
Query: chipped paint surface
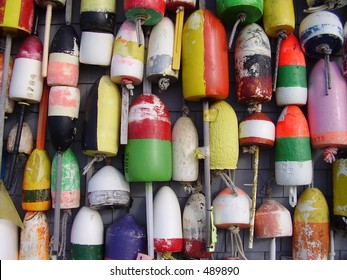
x: 340, y: 187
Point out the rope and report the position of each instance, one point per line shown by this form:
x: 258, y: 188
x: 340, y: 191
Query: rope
x: 188, y: 188
x: 241, y: 17
x: 326, y: 6
x: 163, y: 83
x: 129, y: 86
x: 62, y: 249
x: 329, y: 154
x: 281, y: 35
x: 236, y: 239
x: 228, y: 182
x: 168, y: 256
x: 97, y: 158
x: 254, y: 108
x: 185, y: 110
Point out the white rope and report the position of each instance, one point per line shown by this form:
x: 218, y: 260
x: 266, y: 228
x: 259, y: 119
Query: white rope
x: 235, y: 237
x: 97, y: 158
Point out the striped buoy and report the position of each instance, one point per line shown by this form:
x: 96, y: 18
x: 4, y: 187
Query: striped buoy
x: 34, y: 237
x: 311, y: 226
x: 148, y: 154
x: 253, y: 65
x: 9, y: 103
x: 125, y: 239
x: 292, y: 79
x: 87, y: 235
x: 167, y: 231
x: 205, y: 70
x: 63, y: 64
x: 70, y: 180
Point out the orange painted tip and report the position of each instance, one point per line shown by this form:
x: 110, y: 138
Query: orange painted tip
x: 292, y: 123
x: 291, y: 52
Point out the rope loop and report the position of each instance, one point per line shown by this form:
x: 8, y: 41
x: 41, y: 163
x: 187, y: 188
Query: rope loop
x: 97, y: 158
x: 241, y: 17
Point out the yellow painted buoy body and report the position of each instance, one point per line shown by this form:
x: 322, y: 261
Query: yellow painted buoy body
x: 311, y: 226
x: 224, y: 138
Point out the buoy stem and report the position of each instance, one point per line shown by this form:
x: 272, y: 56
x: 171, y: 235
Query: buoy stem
x: 241, y: 17
x: 176, y: 57
x: 149, y: 218
x: 68, y: 11
x: 46, y: 40
x: 126, y: 91
x: 292, y: 196
x: 139, y: 32
x: 327, y: 74
x: 281, y: 35
x: 331, y: 246
x: 273, y: 249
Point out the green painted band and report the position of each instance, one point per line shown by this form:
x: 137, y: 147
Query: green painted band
x: 293, y: 149
x: 292, y: 76
x: 87, y: 252
x: 36, y: 195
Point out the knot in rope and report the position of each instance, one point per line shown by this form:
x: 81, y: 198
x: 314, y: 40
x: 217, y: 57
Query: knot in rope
x: 256, y: 107
x: 97, y: 158
x: 185, y: 111
x: 168, y: 256
x: 251, y: 149
x: 188, y: 188
x: 228, y: 182
x: 163, y: 83
x: 329, y: 154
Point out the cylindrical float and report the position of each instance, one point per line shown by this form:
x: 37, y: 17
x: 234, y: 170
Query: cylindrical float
x: 253, y: 65
x: 125, y: 239
x: 87, y: 235
x: 148, y: 154
x: 108, y: 187
x: 205, y: 72
x: 167, y: 232
x: 311, y: 226
x: 9, y: 103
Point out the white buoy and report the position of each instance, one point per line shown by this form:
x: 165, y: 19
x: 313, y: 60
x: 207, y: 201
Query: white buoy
x: 8, y: 240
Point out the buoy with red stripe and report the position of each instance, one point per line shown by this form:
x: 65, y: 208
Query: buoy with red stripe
x: 87, y: 235
x: 293, y: 159
x: 339, y: 217
x: 148, y: 154
x: 160, y: 55
x: 273, y: 220
x: 127, y: 67
x: 253, y: 65
x: 63, y: 64
x: 239, y: 12
x: 327, y: 114
x: 321, y: 5
x: 292, y: 79
x: 125, y: 239
x: 167, y: 222
x: 194, y: 227
x: 311, y: 226
x: 9, y: 103
x: 34, y: 237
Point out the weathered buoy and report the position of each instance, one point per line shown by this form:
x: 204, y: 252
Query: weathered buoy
x: 321, y: 5
x: 167, y: 232
x: 70, y: 180
x: 63, y: 63
x: 311, y: 226
x: 87, y: 235
x: 194, y: 227
x: 26, y: 140
x: 34, y: 237
x: 253, y: 65
x: 9, y: 103
x: 185, y: 164
x: 125, y: 239
x: 148, y: 154
x: 205, y: 72
x: 108, y: 187
x: 160, y: 54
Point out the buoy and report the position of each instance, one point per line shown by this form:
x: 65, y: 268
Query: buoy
x: 34, y: 237
x: 293, y: 159
x: 63, y: 64
x: 272, y: 220
x: 108, y: 187
x: 344, y: 57
x: 26, y: 141
x: 311, y: 226
x: 327, y: 116
x: 125, y: 239
x: 253, y: 65
x: 185, y: 163
x: 100, y: 136
x: 239, y: 12
x: 9, y: 103
x: 321, y: 5
x: 339, y: 217
x: 148, y: 154
x: 70, y: 181
x: 194, y: 227
x: 87, y: 235
x: 292, y: 79
x: 160, y: 55
x: 205, y: 70
x: 98, y: 16
x: 127, y: 67
x: 167, y: 222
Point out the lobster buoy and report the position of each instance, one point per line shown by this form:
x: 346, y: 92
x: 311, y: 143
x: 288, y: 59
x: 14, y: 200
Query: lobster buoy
x: 102, y: 119
x: 326, y: 114
x: 98, y: 16
x: 26, y: 140
x: 9, y: 103
x: 339, y: 217
x: 148, y: 154
x: 63, y: 64
x: 125, y: 239
x: 108, y: 187
x: 160, y: 54
x: 311, y: 226
x: 253, y: 65
x: 70, y: 180
x: 292, y: 79
x: 34, y: 237
x: 167, y: 231
x: 194, y: 227
x: 205, y: 72
x: 185, y: 164
x: 321, y: 5
x: 63, y: 111
x: 87, y: 235
x: 224, y: 138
